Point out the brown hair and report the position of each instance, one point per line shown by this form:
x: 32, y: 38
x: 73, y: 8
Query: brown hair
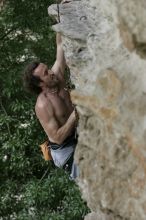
x: 31, y: 82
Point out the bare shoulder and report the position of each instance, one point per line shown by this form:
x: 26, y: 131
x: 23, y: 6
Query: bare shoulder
x: 41, y: 101
x: 43, y: 106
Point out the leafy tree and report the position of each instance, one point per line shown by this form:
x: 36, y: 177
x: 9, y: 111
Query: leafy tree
x: 30, y: 187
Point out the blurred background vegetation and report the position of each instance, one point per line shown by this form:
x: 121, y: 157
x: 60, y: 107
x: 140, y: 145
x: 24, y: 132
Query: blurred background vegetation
x: 30, y: 188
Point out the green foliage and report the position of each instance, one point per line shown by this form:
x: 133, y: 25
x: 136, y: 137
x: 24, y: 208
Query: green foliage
x: 55, y: 197
x: 27, y: 191
x: 25, y: 32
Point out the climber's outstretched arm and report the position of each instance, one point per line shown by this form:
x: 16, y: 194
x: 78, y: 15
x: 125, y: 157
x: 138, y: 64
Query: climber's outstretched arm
x: 60, y: 63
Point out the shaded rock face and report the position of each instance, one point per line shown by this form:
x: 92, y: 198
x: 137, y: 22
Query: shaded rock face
x: 104, y: 43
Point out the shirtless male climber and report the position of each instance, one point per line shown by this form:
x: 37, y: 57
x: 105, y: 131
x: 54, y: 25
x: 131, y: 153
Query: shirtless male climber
x: 54, y: 108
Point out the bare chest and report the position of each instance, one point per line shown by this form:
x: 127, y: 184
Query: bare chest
x: 62, y: 106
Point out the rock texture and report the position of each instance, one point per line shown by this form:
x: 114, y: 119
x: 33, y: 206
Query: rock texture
x: 105, y: 48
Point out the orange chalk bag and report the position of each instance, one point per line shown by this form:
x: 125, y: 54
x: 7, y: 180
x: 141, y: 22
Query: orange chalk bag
x: 46, y: 151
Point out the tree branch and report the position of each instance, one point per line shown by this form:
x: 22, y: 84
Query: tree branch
x: 6, y: 34
x: 4, y: 110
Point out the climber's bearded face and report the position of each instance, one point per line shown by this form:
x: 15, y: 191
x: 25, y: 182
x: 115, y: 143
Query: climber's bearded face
x: 47, y: 77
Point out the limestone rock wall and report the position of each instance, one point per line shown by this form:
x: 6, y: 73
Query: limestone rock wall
x: 104, y: 43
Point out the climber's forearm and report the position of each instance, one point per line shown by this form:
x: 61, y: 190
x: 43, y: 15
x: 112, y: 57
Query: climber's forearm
x: 60, y: 58
x: 64, y: 131
x: 58, y: 39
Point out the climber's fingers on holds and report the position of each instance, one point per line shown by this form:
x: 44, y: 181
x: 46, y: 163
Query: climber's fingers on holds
x: 65, y: 1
